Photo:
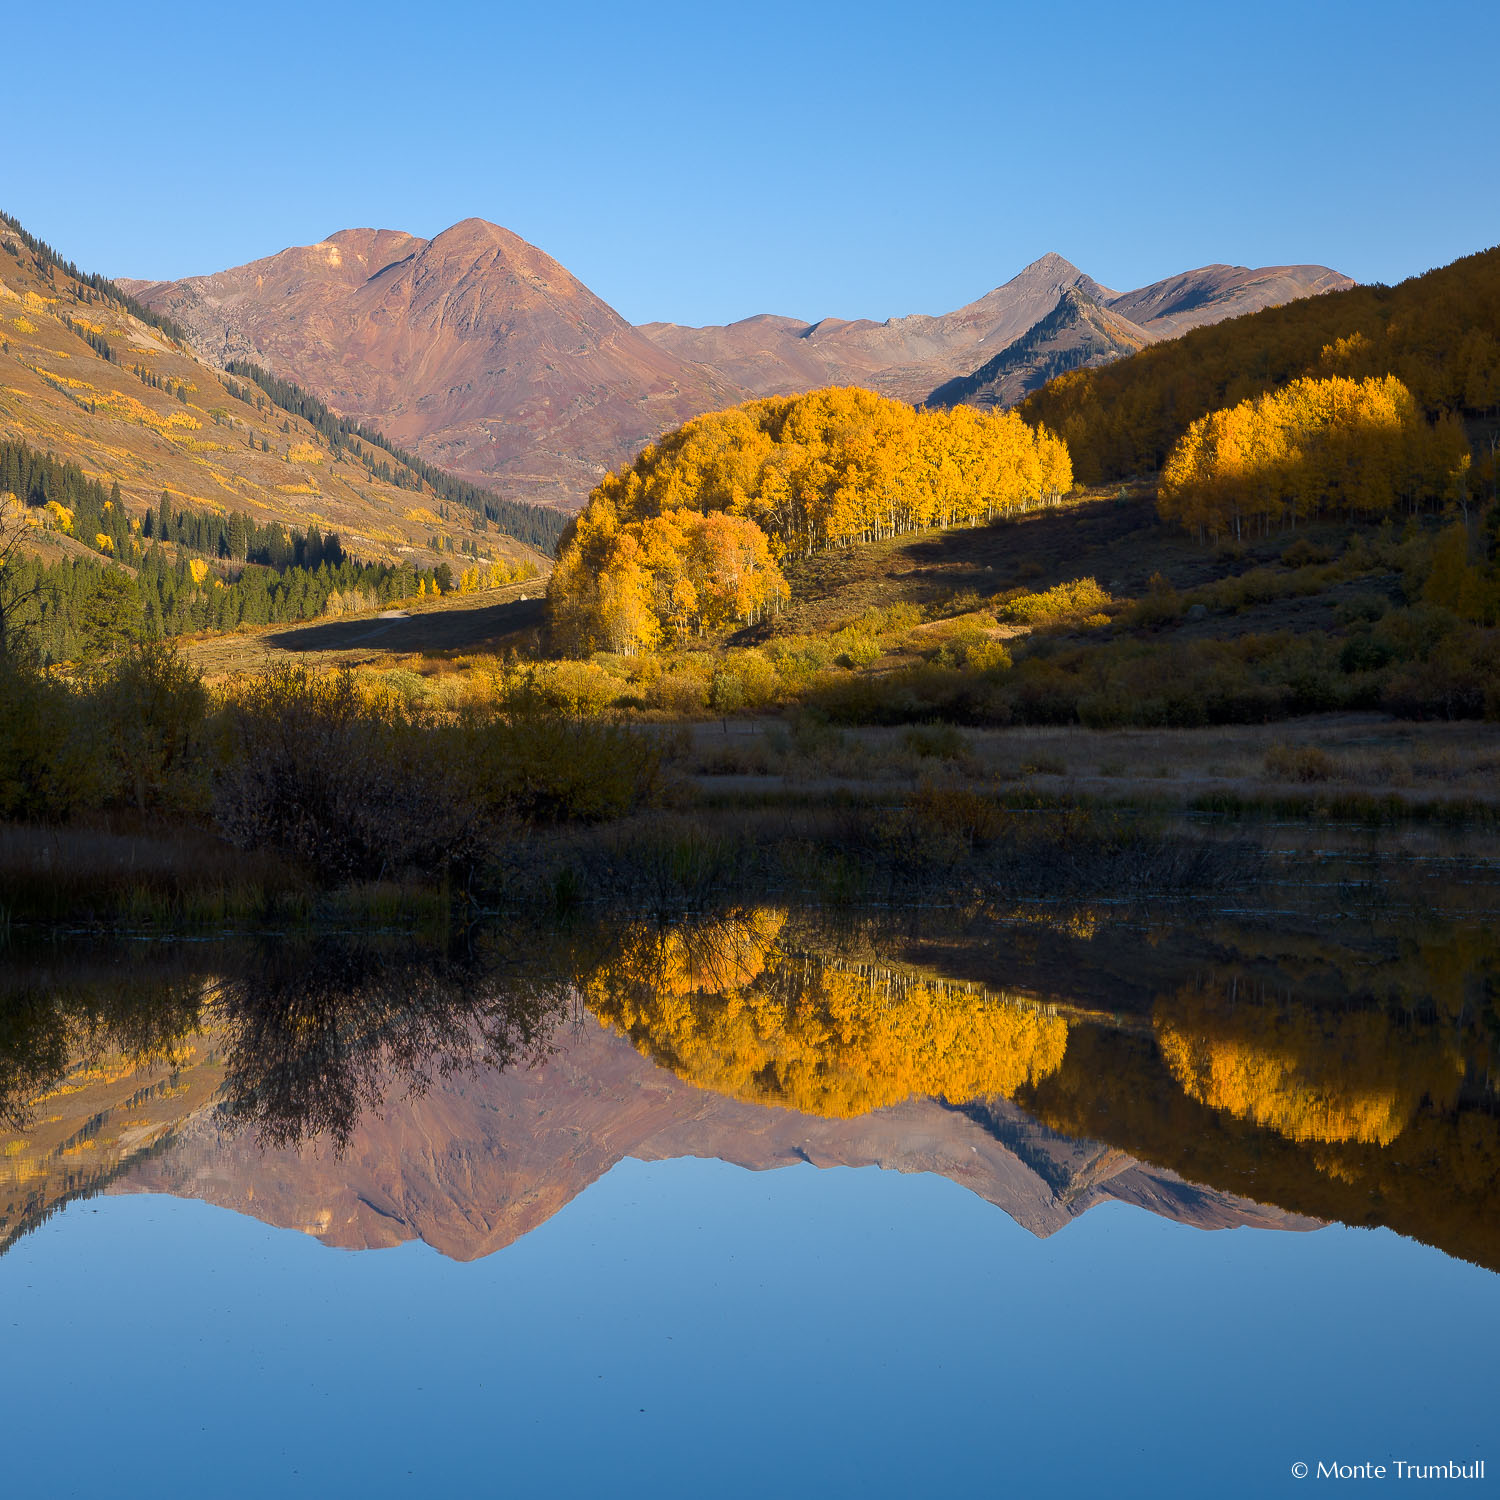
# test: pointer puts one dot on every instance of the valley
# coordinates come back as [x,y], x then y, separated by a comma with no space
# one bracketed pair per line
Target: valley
[748,752]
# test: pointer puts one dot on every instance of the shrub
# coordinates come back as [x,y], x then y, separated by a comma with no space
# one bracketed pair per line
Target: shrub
[854,649]
[1298,763]
[151,712]
[975,650]
[1361,608]
[1159,606]
[578,689]
[939,741]
[681,690]
[1363,653]
[762,685]
[348,786]
[551,769]
[1303,554]
[1080,602]
[726,692]
[959,813]
[1458,679]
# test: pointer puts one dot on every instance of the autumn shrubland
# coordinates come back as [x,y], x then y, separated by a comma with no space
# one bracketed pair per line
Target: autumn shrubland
[1325,547]
[320,778]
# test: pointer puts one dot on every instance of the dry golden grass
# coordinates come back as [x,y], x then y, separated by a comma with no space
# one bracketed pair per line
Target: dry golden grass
[1356,755]
[413,637]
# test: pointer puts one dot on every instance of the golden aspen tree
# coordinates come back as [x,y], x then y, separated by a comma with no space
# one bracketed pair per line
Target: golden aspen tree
[1316,446]
[779,477]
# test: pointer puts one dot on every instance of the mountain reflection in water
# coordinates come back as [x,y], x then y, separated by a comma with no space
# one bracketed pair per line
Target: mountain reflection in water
[370,1093]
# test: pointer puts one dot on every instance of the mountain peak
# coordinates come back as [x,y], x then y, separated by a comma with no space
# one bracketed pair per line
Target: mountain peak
[1055,271]
[1052,263]
[476,232]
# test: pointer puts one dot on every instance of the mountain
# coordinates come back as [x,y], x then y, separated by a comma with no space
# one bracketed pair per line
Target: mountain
[96,380]
[903,357]
[1213,293]
[475,349]
[477,1162]
[1079,331]
[489,359]
[1069,318]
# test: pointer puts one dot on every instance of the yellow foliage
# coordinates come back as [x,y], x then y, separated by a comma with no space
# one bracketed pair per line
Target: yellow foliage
[305,453]
[688,537]
[1306,1074]
[62,517]
[104,543]
[1456,583]
[198,570]
[1080,601]
[725,1009]
[1350,446]
[25,325]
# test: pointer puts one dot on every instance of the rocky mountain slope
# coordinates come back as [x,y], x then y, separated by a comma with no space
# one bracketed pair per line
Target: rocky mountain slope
[1050,317]
[903,357]
[486,357]
[1080,330]
[474,349]
[479,1161]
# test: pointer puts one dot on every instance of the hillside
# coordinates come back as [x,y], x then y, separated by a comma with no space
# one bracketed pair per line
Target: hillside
[488,358]
[1438,332]
[87,380]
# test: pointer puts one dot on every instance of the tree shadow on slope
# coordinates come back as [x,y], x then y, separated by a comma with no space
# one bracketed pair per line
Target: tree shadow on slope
[434,630]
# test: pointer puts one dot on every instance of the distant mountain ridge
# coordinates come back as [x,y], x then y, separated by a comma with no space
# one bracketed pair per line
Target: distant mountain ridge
[1080,330]
[902,357]
[488,358]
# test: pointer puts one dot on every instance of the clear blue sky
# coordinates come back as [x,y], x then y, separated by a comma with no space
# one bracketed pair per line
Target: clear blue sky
[699,163]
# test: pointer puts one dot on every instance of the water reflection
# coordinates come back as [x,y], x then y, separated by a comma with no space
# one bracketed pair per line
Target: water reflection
[320,1033]
[369,1091]
[727,1006]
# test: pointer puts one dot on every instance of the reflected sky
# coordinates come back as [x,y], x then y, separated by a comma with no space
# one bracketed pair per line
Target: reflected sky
[689,1328]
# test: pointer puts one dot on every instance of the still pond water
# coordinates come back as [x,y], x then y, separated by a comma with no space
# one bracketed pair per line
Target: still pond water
[752,1204]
